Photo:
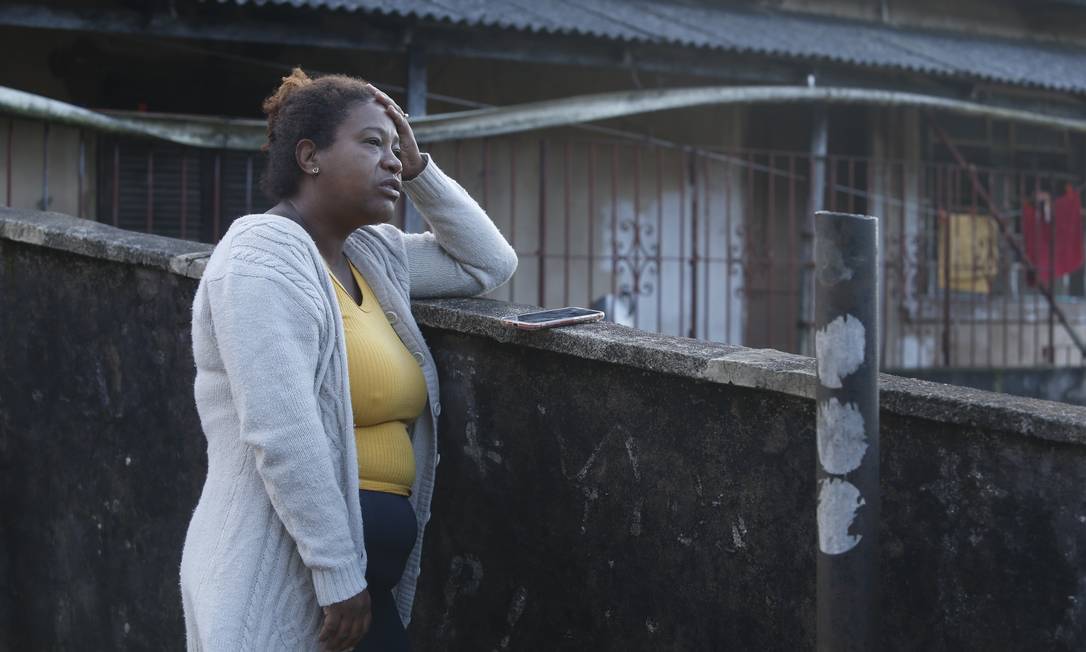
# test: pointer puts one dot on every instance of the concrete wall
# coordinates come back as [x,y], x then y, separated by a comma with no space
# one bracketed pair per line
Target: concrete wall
[600,488]
[1064,384]
[100,452]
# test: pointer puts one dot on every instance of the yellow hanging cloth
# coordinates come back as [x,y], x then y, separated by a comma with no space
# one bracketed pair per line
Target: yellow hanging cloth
[974,252]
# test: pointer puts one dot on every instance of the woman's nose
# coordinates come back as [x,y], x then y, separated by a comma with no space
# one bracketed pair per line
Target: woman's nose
[392,163]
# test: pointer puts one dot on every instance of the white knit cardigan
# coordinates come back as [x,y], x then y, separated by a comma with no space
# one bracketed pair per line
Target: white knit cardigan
[277,532]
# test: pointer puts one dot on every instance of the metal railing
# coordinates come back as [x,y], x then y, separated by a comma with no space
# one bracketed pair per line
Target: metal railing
[686,241]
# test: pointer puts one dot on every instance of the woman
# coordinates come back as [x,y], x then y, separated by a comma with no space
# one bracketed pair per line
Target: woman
[315,389]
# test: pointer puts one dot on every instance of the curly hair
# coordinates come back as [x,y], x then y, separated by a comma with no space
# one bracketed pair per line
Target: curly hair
[304,108]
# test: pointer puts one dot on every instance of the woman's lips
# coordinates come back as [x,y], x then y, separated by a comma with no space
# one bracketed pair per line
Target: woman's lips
[390,188]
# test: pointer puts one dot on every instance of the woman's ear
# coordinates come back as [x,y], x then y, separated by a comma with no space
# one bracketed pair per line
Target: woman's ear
[305,154]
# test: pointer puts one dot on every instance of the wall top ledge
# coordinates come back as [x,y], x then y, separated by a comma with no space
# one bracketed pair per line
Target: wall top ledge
[763,369]
[97,240]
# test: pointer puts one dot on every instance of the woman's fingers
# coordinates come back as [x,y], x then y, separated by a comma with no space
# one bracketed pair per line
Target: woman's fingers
[342,639]
[367,622]
[383,98]
[358,630]
[398,119]
[330,626]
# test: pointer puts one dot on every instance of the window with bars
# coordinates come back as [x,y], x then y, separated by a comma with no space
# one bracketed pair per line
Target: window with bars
[176,191]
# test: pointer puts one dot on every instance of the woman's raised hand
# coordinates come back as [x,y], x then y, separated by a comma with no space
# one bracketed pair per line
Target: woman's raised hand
[410,157]
[345,623]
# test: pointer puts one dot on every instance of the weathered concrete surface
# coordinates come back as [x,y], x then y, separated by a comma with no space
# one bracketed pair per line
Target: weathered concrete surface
[1063,384]
[101,453]
[65,233]
[587,505]
[600,488]
[783,373]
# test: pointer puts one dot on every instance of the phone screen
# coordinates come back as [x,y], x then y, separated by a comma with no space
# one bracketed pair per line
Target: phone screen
[550,315]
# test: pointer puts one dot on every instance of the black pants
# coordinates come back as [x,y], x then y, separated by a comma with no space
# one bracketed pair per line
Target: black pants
[390,532]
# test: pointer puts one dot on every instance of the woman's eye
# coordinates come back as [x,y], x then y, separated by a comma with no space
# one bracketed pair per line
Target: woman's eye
[373,141]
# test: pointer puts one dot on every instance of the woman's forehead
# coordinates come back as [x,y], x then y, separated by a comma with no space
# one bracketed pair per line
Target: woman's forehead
[370,115]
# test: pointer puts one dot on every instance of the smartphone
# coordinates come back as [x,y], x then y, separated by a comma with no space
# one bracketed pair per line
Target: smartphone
[533,321]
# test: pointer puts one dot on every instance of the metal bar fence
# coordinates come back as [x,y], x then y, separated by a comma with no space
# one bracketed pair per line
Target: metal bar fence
[685,241]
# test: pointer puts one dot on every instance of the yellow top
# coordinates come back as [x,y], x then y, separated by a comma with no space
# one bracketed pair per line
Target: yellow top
[388,392]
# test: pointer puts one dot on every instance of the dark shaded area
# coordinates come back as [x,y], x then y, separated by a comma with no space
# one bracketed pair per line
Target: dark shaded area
[586,506]
[101,453]
[581,504]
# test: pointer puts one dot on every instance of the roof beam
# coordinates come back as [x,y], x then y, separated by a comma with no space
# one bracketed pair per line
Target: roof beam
[116,21]
[251,134]
[355,33]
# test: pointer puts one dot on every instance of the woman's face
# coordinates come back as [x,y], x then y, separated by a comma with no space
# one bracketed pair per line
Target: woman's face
[360,172]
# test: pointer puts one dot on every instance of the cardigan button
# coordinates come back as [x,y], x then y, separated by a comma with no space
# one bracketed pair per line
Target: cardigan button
[418,357]
[437,408]
[391,316]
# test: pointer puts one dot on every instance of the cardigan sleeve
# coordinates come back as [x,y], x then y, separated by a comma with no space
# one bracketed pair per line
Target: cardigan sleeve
[464,254]
[267,328]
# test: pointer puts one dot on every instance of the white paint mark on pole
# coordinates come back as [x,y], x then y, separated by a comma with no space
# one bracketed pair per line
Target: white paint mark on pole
[838,501]
[840,349]
[841,440]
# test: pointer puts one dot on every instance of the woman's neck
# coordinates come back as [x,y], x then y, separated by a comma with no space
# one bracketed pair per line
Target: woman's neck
[328,239]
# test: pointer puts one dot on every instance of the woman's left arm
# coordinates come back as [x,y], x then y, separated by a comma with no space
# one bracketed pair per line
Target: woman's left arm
[463,254]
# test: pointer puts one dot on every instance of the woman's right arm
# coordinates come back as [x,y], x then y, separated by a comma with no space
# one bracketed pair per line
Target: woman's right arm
[267,326]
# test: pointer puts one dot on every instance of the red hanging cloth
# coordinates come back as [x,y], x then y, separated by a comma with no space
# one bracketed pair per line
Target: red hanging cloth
[1063,221]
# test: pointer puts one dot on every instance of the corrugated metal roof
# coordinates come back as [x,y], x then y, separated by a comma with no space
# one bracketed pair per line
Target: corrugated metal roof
[799,36]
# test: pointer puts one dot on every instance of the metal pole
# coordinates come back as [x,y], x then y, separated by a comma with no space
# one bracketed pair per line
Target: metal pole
[846,346]
[416,108]
[816,195]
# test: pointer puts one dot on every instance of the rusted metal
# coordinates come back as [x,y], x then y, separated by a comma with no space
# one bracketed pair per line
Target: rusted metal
[693,245]
[248,185]
[660,234]
[184,196]
[815,198]
[513,207]
[150,227]
[541,246]
[7,158]
[216,199]
[739,255]
[1005,231]
[635,247]
[729,257]
[589,218]
[45,167]
[682,182]
[614,224]
[116,183]
[567,251]
[236,134]
[81,174]
[792,321]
